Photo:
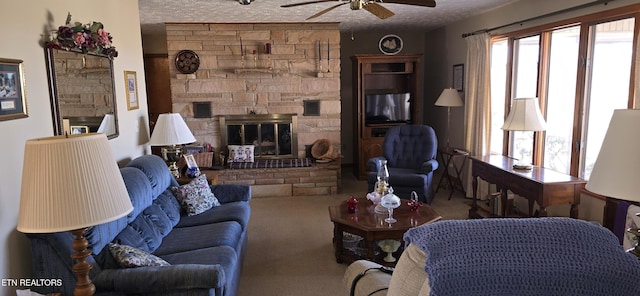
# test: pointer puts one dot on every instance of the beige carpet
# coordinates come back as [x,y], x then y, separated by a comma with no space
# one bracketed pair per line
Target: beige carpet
[289,250]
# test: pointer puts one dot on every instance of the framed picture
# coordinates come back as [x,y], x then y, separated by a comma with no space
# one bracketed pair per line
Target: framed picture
[79,129]
[390,44]
[13,102]
[191,161]
[458,77]
[192,149]
[131,84]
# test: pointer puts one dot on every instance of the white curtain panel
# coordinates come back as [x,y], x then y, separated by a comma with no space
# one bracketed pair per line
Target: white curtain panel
[477,119]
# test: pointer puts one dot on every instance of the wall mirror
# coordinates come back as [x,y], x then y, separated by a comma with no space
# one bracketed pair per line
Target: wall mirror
[82,93]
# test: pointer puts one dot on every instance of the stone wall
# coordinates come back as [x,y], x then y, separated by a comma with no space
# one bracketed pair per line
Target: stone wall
[276,83]
[294,78]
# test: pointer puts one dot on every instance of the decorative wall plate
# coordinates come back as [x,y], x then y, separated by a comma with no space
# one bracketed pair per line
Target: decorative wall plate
[187,62]
[390,44]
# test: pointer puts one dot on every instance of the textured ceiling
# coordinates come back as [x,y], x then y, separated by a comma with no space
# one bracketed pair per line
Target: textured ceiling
[153,13]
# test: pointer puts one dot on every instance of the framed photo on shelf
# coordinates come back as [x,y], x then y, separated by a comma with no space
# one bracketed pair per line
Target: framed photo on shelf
[79,129]
[458,77]
[13,102]
[131,84]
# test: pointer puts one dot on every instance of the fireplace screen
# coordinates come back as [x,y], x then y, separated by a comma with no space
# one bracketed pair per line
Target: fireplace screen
[272,135]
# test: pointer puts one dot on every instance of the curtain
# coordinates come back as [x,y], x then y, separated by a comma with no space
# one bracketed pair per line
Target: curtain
[477,119]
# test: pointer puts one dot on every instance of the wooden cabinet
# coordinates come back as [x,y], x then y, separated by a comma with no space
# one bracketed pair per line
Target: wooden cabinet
[386,93]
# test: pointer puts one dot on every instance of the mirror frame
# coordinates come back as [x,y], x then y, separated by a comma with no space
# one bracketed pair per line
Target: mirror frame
[53,90]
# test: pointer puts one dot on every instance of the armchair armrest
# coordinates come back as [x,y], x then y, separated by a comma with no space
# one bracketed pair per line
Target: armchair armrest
[372,163]
[231,192]
[161,279]
[429,166]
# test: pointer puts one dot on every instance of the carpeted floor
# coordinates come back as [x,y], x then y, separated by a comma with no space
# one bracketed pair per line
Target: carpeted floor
[289,250]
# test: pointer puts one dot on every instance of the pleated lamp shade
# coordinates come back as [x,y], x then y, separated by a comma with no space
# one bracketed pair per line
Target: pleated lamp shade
[70,182]
[170,129]
[525,115]
[615,173]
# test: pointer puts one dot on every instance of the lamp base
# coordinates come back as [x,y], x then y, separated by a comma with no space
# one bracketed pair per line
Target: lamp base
[171,154]
[84,286]
[522,166]
[636,250]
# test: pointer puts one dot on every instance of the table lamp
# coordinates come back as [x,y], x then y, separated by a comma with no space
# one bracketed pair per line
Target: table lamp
[449,98]
[70,183]
[615,173]
[525,116]
[171,131]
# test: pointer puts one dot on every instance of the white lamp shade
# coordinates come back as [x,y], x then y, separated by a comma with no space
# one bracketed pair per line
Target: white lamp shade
[615,173]
[525,115]
[449,98]
[70,183]
[170,129]
[108,125]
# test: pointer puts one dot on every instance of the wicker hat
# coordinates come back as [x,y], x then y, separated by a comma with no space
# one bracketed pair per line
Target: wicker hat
[322,149]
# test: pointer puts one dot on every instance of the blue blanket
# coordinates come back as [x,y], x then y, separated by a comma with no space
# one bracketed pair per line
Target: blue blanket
[533,256]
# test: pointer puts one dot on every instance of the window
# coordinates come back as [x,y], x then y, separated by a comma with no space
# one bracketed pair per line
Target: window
[579,71]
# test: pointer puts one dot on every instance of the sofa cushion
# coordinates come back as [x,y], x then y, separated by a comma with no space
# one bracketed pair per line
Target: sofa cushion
[147,230]
[233,211]
[224,256]
[202,236]
[156,171]
[128,257]
[196,197]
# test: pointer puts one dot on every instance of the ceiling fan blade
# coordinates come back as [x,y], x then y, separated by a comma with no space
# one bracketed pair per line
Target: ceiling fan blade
[326,10]
[378,10]
[307,2]
[427,3]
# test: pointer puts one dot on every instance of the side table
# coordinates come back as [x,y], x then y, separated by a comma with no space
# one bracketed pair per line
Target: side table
[454,182]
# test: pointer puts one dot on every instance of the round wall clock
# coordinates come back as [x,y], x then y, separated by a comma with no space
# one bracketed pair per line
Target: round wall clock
[390,44]
[187,62]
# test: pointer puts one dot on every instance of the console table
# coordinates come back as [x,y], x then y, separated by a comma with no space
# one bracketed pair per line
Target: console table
[543,186]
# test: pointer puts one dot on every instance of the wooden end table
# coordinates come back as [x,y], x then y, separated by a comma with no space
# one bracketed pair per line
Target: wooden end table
[369,225]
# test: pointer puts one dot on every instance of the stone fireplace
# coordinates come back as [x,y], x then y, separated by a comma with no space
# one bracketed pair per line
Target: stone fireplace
[259,93]
[274,136]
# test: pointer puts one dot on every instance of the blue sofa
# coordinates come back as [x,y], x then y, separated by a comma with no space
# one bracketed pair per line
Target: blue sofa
[205,251]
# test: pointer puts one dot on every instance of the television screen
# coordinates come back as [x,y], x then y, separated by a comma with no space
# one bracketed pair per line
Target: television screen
[382,108]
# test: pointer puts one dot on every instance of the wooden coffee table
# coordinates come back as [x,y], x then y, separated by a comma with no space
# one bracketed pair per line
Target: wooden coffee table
[371,226]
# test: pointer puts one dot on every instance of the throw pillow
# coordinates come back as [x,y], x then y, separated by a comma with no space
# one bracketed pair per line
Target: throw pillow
[196,197]
[241,153]
[128,256]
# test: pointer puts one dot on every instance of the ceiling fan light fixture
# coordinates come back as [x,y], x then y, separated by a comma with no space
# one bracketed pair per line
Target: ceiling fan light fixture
[245,2]
[355,5]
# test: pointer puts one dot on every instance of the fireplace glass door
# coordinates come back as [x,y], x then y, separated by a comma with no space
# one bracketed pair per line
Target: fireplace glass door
[271,138]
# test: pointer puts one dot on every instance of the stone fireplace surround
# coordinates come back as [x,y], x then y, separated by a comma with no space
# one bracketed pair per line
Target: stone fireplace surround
[236,89]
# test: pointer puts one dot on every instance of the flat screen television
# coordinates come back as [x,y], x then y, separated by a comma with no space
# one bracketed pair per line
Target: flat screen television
[387,108]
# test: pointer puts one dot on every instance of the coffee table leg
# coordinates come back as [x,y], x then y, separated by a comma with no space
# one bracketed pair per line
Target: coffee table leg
[371,248]
[337,242]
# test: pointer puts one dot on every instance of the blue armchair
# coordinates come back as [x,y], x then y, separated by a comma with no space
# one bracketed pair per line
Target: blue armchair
[410,151]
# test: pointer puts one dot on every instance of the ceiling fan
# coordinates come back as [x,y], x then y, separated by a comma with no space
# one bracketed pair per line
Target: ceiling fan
[371,6]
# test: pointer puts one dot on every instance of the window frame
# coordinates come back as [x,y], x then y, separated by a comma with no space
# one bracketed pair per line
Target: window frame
[580,117]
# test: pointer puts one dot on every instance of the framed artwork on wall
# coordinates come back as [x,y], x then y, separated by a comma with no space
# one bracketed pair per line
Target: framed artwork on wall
[13,102]
[458,77]
[131,84]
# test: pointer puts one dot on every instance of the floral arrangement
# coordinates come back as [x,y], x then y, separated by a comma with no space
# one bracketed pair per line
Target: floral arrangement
[90,37]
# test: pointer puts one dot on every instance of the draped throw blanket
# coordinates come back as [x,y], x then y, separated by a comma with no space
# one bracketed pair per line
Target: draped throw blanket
[530,256]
